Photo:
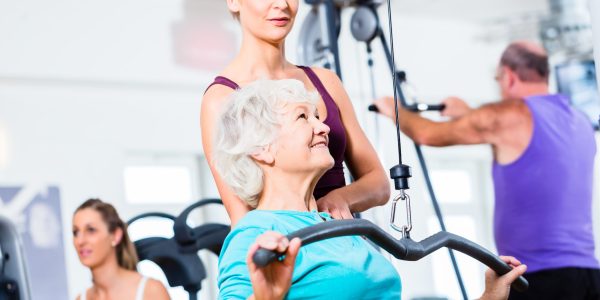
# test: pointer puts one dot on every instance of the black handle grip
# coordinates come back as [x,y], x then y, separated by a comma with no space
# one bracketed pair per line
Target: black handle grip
[373,108]
[262,257]
[437,107]
[415,107]
[419,107]
[404,249]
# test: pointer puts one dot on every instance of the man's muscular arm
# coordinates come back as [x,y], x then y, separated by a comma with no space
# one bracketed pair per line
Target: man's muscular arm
[483,125]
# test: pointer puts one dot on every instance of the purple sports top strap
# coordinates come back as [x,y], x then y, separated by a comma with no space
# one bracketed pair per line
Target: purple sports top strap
[223,81]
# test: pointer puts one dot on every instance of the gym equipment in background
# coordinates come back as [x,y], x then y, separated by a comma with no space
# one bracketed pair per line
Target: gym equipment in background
[178,256]
[417,107]
[317,44]
[567,36]
[577,79]
[366,27]
[14,282]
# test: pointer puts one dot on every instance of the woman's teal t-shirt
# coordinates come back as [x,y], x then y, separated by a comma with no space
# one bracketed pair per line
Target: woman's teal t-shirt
[339,268]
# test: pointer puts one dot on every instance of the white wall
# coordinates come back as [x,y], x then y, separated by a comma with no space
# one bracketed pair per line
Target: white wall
[86,86]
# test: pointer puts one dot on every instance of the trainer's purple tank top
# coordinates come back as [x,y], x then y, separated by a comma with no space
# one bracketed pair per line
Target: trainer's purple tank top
[333,178]
[543,207]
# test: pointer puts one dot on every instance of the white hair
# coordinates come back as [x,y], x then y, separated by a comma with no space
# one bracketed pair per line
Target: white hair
[251,120]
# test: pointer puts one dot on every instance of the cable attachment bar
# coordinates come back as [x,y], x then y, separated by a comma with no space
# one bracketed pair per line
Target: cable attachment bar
[405,228]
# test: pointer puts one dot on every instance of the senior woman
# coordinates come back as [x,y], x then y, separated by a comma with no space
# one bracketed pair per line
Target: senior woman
[271,149]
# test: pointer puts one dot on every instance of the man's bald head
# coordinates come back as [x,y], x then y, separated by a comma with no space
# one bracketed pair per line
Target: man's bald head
[528,60]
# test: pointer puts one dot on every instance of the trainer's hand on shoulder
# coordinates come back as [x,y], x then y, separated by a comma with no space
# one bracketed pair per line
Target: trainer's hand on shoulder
[455,107]
[498,287]
[335,205]
[274,280]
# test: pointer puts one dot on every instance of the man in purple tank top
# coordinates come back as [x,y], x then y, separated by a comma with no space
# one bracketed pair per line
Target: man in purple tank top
[543,172]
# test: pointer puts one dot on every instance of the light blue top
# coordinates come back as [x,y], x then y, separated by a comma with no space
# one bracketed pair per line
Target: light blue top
[339,268]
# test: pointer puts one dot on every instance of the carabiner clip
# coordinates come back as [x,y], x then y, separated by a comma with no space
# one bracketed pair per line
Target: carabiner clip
[406,228]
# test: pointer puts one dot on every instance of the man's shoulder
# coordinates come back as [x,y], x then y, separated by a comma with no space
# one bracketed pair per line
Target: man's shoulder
[508,106]
[507,113]
[501,122]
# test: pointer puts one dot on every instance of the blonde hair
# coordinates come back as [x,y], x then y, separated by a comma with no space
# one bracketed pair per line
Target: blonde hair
[126,255]
[250,121]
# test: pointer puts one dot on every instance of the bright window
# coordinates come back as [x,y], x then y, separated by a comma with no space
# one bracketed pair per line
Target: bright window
[452,186]
[444,278]
[158,184]
[150,227]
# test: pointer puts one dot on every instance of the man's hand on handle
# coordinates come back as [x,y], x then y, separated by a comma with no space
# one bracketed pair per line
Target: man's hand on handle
[455,107]
[385,106]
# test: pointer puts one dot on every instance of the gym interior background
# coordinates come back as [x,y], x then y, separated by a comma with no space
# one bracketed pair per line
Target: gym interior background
[102,99]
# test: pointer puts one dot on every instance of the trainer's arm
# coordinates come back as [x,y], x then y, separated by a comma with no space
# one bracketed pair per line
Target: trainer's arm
[212,102]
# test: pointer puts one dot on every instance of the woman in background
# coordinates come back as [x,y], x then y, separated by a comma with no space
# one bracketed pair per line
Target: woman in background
[103,245]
